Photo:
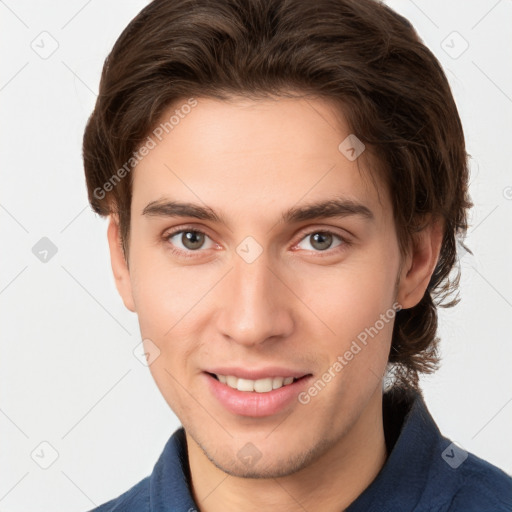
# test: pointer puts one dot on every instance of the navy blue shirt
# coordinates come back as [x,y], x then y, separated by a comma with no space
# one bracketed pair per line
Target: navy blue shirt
[424,472]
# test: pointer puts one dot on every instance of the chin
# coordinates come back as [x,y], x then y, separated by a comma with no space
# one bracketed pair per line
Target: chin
[249,462]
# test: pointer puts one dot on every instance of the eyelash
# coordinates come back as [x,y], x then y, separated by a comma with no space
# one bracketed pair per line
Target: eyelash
[190,254]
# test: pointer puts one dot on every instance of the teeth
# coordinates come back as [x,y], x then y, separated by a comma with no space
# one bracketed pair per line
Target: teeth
[277,382]
[263,385]
[231,381]
[245,385]
[260,385]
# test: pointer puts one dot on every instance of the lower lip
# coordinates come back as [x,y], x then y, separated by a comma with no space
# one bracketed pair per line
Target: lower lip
[251,403]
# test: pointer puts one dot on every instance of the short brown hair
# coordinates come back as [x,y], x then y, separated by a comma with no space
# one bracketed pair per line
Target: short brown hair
[358,53]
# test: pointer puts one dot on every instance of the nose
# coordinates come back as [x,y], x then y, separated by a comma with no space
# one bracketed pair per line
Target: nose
[254,305]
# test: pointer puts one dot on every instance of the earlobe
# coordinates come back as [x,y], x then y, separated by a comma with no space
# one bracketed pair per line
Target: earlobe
[420,264]
[119,264]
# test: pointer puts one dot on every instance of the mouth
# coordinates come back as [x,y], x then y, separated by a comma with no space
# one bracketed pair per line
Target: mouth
[257,398]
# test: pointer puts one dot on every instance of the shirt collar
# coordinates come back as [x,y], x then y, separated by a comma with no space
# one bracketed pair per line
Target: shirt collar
[411,437]
[169,487]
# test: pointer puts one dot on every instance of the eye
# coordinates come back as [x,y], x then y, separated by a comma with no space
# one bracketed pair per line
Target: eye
[188,240]
[322,240]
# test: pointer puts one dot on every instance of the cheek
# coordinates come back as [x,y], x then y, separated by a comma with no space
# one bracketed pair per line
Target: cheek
[354,303]
[350,297]
[165,299]
[170,311]
[162,293]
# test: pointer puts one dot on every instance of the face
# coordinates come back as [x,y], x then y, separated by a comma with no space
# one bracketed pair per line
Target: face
[248,281]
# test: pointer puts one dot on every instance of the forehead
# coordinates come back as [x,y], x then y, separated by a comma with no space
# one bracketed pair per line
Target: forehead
[233,154]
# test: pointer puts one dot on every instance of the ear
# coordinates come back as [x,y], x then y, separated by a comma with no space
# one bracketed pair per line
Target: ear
[420,263]
[119,264]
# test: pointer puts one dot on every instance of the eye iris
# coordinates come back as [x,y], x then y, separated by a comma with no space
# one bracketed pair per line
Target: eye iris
[192,239]
[324,240]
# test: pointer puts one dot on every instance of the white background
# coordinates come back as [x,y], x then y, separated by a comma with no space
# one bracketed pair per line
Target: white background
[68,373]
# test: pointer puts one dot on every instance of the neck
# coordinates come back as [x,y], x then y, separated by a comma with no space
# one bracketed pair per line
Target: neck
[329,484]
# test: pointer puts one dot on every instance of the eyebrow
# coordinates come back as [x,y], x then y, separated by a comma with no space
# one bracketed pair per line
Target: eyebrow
[332,208]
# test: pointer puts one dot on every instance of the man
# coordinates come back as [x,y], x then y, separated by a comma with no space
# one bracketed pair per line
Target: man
[285,183]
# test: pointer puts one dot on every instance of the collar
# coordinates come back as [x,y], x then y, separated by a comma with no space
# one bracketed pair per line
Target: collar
[411,438]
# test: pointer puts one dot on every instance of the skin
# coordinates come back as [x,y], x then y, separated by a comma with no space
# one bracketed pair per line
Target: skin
[295,306]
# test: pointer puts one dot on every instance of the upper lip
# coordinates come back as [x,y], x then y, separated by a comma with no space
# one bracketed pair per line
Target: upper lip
[258,373]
